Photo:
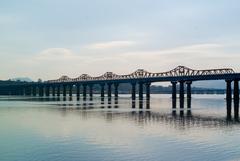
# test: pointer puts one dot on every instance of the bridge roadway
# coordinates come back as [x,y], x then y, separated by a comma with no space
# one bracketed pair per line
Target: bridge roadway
[182,75]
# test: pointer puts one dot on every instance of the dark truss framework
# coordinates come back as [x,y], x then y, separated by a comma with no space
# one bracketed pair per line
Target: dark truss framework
[141,73]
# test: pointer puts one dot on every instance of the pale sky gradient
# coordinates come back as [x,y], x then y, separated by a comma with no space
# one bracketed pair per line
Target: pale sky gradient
[49,38]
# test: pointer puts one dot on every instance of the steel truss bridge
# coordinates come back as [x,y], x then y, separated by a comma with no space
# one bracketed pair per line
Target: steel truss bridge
[181,74]
[180,71]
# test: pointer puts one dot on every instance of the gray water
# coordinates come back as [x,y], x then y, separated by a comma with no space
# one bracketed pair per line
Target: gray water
[33,129]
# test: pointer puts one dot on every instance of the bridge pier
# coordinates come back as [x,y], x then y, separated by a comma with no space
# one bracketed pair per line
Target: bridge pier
[148,95]
[140,90]
[181,94]
[70,90]
[21,91]
[47,90]
[116,85]
[133,91]
[84,91]
[28,90]
[189,94]
[34,90]
[64,91]
[229,98]
[236,99]
[133,95]
[53,91]
[41,90]
[91,91]
[58,90]
[102,92]
[148,90]
[174,94]
[109,91]
[78,91]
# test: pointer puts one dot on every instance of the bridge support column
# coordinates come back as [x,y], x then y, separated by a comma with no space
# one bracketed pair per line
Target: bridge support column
[64,91]
[70,90]
[148,95]
[174,94]
[78,91]
[24,91]
[148,91]
[34,90]
[133,95]
[116,85]
[53,90]
[21,91]
[109,90]
[140,90]
[102,93]
[91,91]
[189,94]
[229,98]
[27,90]
[109,94]
[58,90]
[134,91]
[47,90]
[41,92]
[181,94]
[236,99]
[84,91]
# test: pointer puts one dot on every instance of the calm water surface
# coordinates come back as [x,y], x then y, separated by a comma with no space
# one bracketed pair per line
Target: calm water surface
[33,129]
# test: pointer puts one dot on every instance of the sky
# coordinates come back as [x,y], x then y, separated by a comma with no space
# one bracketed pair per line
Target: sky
[50,38]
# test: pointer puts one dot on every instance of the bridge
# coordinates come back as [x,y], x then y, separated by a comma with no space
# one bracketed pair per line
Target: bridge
[141,78]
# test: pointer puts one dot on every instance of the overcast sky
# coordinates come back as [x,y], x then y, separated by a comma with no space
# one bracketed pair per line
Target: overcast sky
[49,38]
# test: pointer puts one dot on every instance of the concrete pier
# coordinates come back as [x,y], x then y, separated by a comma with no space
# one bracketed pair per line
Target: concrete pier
[64,91]
[58,90]
[229,98]
[91,91]
[116,85]
[78,91]
[53,90]
[70,90]
[189,94]
[34,90]
[84,91]
[181,94]
[109,85]
[140,90]
[148,90]
[174,94]
[236,99]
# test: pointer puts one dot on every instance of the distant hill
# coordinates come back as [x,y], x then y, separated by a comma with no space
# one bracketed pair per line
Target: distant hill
[22,79]
[220,84]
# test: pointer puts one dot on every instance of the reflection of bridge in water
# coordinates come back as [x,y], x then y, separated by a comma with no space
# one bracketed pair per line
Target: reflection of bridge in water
[182,75]
[148,117]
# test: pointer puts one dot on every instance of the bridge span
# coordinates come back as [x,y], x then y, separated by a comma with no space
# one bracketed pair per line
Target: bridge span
[140,81]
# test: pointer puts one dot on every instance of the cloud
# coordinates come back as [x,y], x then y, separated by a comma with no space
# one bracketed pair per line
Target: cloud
[62,61]
[111,44]
[189,50]
[55,53]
